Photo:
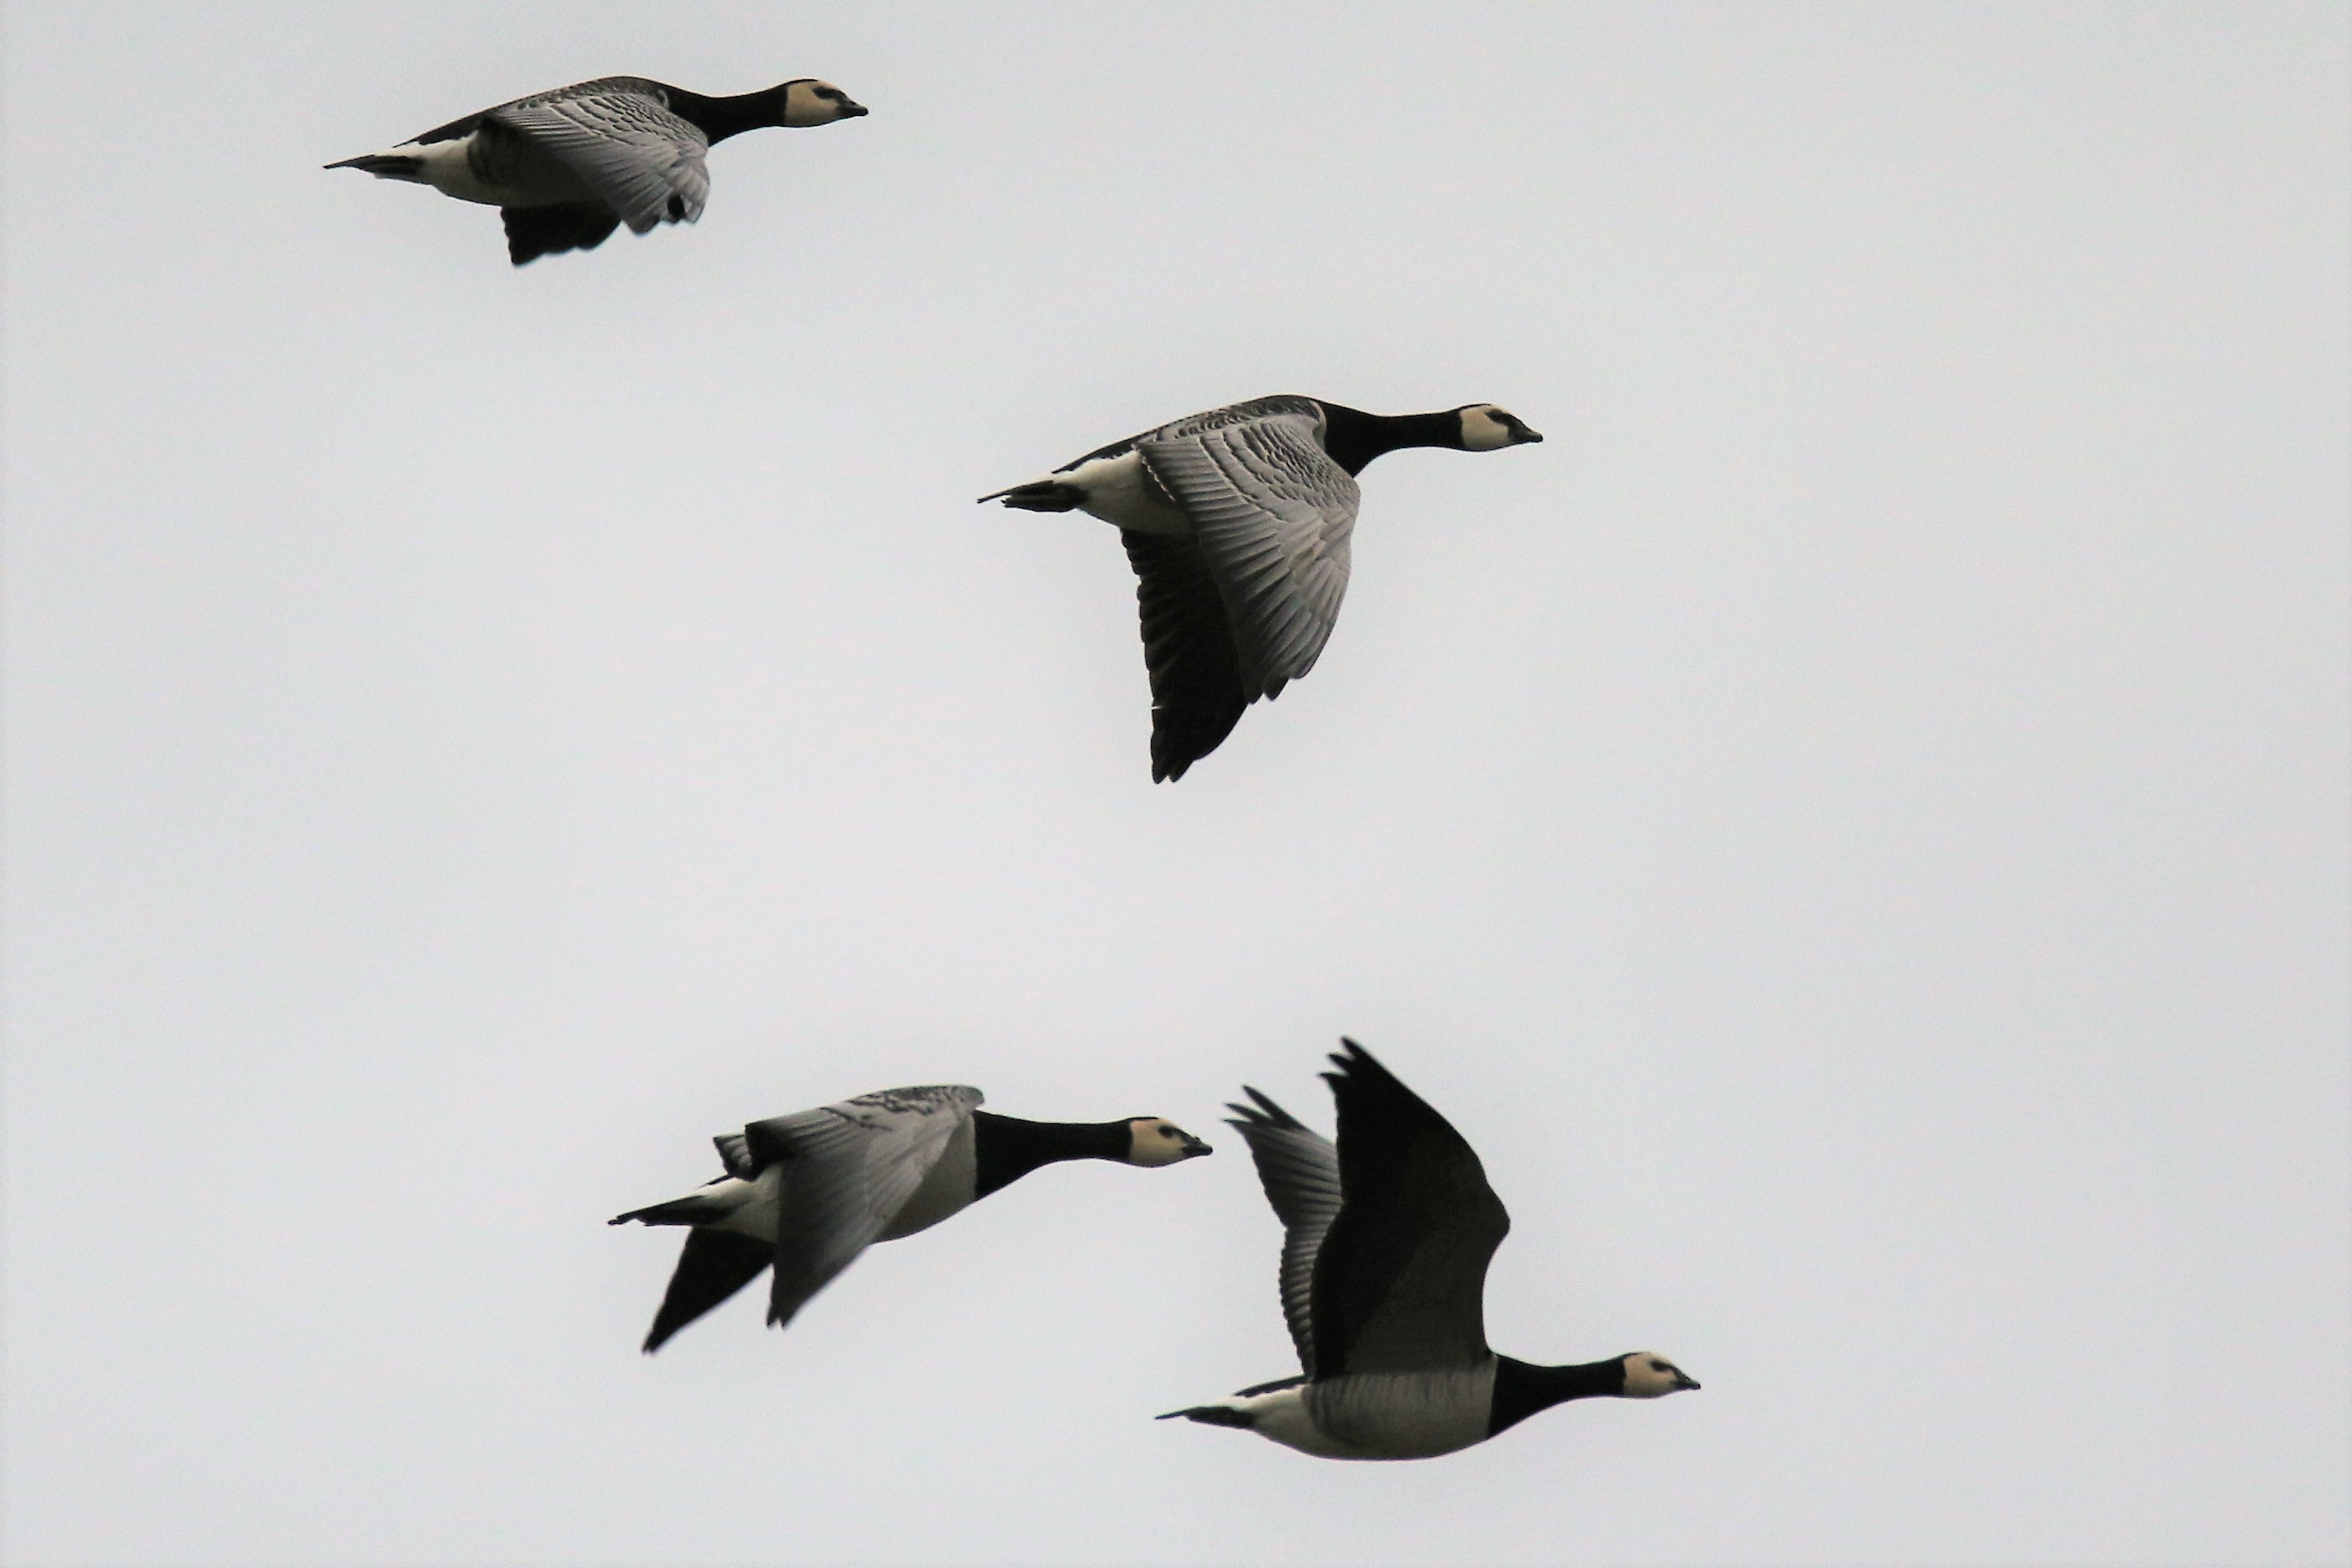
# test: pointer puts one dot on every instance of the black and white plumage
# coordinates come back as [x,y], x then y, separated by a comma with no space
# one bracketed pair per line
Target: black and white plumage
[1386,1239]
[565,167]
[1237,523]
[806,1193]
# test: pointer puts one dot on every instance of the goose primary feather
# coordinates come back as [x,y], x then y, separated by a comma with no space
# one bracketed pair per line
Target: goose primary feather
[806,1193]
[1386,1240]
[1237,522]
[566,167]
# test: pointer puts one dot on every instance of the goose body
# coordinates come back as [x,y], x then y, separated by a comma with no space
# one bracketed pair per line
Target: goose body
[567,167]
[805,1194]
[1386,1239]
[1237,522]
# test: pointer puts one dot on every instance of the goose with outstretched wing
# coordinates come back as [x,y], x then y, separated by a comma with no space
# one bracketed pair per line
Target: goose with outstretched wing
[1237,523]
[567,167]
[805,1194]
[1386,1239]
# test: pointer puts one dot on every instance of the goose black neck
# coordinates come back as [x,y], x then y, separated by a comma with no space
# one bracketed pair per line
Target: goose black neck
[1006,1148]
[721,118]
[1354,438]
[1521,1389]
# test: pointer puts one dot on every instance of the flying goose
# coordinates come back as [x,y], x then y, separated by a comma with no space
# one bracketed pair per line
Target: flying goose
[808,1192]
[1385,1244]
[1236,522]
[565,167]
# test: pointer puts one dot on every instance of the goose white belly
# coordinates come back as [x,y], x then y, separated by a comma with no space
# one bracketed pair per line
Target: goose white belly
[1388,1415]
[757,1204]
[1281,1417]
[448,168]
[1121,492]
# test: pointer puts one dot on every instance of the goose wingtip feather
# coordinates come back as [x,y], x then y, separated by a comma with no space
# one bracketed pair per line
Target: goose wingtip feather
[1262,1112]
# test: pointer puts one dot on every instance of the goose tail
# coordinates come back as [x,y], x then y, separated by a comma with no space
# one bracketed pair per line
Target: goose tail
[385,165]
[692,1209]
[1213,1415]
[1040,496]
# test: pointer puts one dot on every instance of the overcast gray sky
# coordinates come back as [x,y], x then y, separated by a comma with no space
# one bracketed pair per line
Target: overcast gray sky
[1852,828]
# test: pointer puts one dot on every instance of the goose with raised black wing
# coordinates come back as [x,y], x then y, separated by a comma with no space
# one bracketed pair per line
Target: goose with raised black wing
[565,167]
[1386,1240]
[805,1194]
[1236,522]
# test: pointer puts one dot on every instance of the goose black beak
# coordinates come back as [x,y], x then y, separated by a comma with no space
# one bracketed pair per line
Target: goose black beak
[1195,1147]
[852,111]
[1527,435]
[1684,1379]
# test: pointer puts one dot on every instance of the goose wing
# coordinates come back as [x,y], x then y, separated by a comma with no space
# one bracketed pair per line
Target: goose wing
[1272,515]
[1188,647]
[735,1153]
[1401,1279]
[851,1167]
[619,137]
[1299,1169]
[712,1266]
[1242,413]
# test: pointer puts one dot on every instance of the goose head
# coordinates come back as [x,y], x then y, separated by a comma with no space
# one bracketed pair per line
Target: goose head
[1151,1140]
[1649,1375]
[809,101]
[1486,428]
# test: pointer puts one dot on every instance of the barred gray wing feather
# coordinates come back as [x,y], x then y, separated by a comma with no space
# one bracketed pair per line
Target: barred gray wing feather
[1273,515]
[850,1168]
[624,144]
[602,87]
[1247,412]
[1212,418]
[596,87]
[735,1153]
[1299,1169]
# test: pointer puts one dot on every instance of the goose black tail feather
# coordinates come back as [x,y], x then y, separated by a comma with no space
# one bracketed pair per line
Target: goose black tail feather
[383,165]
[1040,496]
[1213,1415]
[534,232]
[692,1209]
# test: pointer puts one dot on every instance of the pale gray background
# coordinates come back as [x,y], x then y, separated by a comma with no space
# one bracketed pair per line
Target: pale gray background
[1852,828]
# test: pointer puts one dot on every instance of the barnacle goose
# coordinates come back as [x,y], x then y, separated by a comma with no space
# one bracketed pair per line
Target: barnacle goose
[565,167]
[808,1192]
[1385,1244]
[1236,522]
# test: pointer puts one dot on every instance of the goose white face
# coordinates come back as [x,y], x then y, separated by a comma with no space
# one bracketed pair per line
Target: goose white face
[1485,428]
[814,102]
[1652,1377]
[1152,1142]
